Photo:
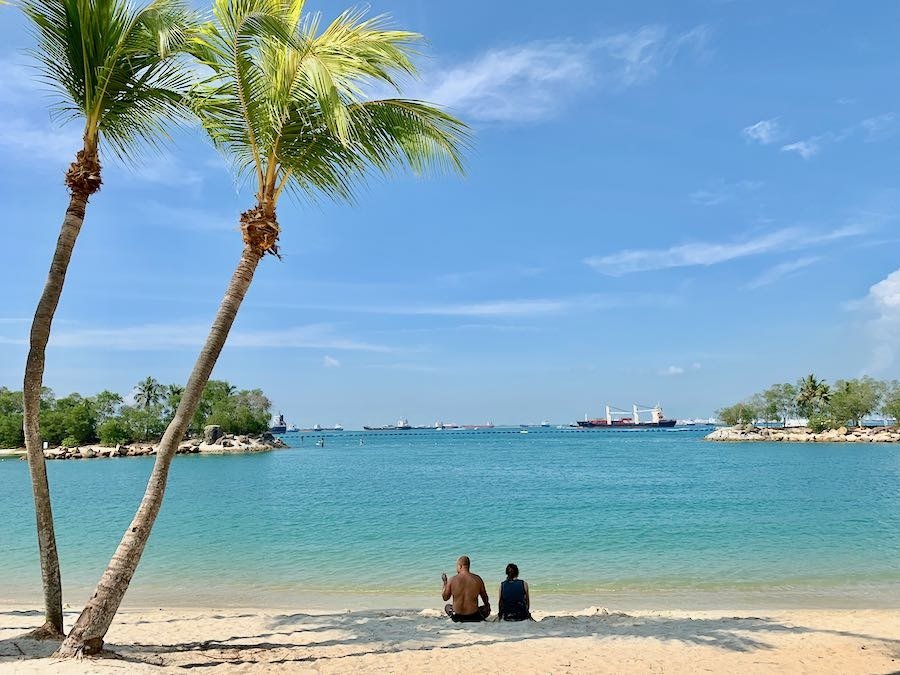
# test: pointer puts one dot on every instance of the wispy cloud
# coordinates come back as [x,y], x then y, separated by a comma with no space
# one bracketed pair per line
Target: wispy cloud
[179,336]
[871,130]
[533,81]
[330,362]
[516,308]
[36,143]
[711,253]
[765,132]
[672,371]
[883,305]
[720,192]
[780,271]
[805,149]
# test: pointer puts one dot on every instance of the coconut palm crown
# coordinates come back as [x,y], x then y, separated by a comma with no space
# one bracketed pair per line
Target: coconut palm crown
[286,104]
[112,65]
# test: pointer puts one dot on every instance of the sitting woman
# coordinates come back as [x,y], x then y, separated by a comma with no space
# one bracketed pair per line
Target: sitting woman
[515,602]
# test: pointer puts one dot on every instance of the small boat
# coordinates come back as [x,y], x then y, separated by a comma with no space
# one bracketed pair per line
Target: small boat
[293,428]
[545,424]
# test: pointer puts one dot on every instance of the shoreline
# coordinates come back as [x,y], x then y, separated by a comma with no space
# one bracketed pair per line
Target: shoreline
[805,435]
[594,639]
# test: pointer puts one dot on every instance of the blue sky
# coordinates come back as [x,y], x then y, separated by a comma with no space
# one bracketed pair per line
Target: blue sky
[667,202]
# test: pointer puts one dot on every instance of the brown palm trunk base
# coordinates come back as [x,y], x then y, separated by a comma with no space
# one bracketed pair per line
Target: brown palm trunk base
[86,637]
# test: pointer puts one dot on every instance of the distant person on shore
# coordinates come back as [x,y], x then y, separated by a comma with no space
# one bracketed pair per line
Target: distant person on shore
[515,600]
[465,588]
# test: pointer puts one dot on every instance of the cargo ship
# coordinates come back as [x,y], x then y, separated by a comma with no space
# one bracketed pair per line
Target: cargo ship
[619,419]
[278,426]
[402,425]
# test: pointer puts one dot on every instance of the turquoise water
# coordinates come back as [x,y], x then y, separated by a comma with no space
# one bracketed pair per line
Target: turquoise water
[652,517]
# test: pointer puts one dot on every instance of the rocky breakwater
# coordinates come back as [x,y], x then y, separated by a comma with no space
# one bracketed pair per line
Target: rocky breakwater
[806,435]
[214,442]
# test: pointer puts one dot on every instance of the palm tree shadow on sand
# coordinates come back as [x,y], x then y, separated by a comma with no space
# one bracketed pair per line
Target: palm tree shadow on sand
[306,638]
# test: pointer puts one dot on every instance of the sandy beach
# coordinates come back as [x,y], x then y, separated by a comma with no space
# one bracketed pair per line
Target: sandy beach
[422,641]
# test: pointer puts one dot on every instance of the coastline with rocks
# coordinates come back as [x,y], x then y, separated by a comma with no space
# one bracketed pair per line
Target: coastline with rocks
[213,442]
[806,435]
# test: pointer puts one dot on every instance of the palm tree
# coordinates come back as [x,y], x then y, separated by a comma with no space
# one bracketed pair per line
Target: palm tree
[812,394]
[148,393]
[285,103]
[112,65]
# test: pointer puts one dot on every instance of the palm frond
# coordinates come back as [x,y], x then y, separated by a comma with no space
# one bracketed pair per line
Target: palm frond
[115,65]
[291,109]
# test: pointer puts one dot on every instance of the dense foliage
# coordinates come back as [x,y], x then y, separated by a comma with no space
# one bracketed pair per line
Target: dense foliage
[75,420]
[824,406]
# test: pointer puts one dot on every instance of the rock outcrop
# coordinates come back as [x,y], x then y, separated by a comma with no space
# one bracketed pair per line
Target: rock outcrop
[806,435]
[221,444]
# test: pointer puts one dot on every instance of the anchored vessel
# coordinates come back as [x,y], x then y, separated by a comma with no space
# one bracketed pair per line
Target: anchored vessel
[279,426]
[402,425]
[619,419]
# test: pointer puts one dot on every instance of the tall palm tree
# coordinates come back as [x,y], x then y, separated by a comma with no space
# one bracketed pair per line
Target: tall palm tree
[812,394]
[148,393]
[286,104]
[112,65]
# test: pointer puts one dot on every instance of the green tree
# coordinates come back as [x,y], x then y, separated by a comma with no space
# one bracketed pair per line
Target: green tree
[851,400]
[812,395]
[11,433]
[148,393]
[113,431]
[107,404]
[109,62]
[284,104]
[890,403]
[780,402]
[740,413]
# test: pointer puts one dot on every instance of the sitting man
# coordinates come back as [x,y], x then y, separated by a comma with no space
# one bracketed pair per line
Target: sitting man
[465,588]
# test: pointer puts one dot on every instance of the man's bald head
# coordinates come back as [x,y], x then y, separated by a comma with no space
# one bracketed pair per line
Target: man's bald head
[463,563]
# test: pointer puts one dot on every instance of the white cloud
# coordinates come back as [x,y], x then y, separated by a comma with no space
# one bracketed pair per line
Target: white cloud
[780,271]
[673,370]
[533,81]
[696,366]
[179,336]
[710,253]
[330,362]
[883,304]
[764,131]
[805,149]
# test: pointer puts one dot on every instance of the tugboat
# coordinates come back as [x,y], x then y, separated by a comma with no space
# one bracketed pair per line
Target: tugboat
[657,419]
[279,426]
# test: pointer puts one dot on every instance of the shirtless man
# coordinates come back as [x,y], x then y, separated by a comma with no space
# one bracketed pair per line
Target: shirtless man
[465,588]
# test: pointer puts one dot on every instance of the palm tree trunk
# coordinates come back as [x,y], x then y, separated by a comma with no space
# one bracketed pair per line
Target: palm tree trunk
[87,635]
[31,395]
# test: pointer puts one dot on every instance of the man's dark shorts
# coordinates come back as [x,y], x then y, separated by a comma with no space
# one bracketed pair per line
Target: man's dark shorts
[480,615]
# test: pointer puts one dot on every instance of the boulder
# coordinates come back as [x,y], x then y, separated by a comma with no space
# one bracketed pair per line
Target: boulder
[226,443]
[211,433]
[87,453]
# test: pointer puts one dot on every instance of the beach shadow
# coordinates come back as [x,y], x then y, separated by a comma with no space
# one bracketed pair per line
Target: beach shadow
[306,638]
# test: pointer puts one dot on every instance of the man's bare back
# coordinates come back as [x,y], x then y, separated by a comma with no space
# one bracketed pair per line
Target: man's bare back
[465,588]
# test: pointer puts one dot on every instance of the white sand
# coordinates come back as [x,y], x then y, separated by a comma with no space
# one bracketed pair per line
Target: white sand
[387,641]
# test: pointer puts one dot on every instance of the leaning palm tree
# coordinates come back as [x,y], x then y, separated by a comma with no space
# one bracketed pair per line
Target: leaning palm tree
[112,65]
[286,103]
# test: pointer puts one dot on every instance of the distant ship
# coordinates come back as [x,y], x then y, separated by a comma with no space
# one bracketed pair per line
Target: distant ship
[656,420]
[402,425]
[279,426]
[318,428]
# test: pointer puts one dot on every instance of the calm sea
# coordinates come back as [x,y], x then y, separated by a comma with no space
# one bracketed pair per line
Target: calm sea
[641,518]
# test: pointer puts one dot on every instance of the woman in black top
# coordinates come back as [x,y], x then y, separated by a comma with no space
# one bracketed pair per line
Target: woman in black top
[515,601]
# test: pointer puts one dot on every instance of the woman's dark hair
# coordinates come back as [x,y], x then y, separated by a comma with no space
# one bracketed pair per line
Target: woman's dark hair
[512,571]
